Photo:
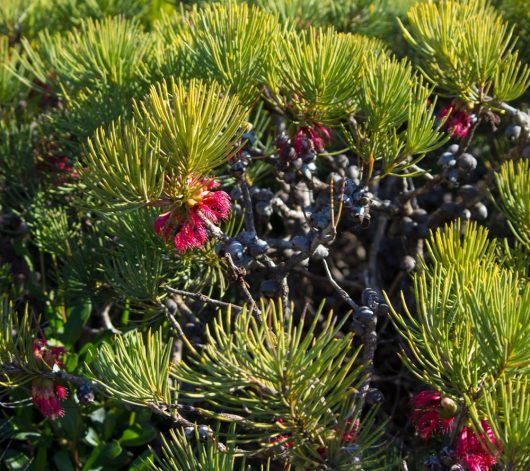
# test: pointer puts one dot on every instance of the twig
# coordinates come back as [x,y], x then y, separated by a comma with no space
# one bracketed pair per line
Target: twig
[347,299]
[16,404]
[211,415]
[186,310]
[374,251]
[214,230]
[175,417]
[238,274]
[107,322]
[247,203]
[203,298]
[287,212]
[318,278]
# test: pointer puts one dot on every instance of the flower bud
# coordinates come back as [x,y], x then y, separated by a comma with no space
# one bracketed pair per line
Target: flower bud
[448,408]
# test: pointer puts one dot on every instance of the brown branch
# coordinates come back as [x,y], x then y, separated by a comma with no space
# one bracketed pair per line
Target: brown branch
[203,298]
[347,299]
[238,274]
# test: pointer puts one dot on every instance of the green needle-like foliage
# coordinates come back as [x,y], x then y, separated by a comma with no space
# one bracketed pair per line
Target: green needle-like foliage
[135,370]
[315,73]
[232,44]
[518,13]
[395,124]
[17,160]
[448,248]
[275,370]
[198,126]
[81,274]
[18,364]
[96,69]
[29,17]
[359,16]
[18,16]
[179,132]
[14,349]
[513,185]
[507,407]
[125,170]
[469,338]
[178,453]
[467,50]
[173,33]
[10,86]
[138,262]
[303,12]
[97,54]
[74,11]
[51,228]
[499,309]
[472,315]
[300,12]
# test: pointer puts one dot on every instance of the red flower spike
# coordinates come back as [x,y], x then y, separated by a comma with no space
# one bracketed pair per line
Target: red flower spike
[458,122]
[186,222]
[471,451]
[162,225]
[192,233]
[428,416]
[61,392]
[47,355]
[350,436]
[309,137]
[61,164]
[38,348]
[282,439]
[46,396]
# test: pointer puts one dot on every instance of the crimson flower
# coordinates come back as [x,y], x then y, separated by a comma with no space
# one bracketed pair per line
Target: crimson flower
[432,412]
[62,164]
[350,434]
[50,356]
[186,223]
[470,449]
[45,393]
[458,121]
[309,137]
[47,396]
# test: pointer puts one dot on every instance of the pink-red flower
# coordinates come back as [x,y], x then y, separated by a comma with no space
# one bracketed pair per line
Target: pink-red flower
[432,413]
[350,433]
[47,396]
[60,167]
[311,138]
[185,223]
[49,355]
[471,450]
[45,393]
[458,121]
[282,439]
